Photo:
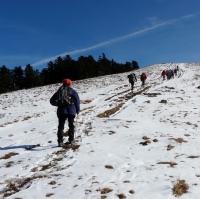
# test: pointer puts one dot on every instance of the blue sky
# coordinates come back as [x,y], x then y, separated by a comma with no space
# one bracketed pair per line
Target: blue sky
[147,31]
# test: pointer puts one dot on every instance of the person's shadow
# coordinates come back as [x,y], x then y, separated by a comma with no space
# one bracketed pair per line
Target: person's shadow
[26,147]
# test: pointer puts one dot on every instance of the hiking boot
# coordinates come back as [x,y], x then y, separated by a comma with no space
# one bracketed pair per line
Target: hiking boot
[60,144]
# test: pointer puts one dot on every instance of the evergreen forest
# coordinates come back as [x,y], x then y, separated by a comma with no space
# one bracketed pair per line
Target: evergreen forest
[56,71]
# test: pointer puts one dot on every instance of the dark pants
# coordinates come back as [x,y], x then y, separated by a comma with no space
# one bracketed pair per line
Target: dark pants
[61,124]
[132,84]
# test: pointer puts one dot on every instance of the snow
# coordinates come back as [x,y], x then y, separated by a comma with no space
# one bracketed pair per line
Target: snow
[114,160]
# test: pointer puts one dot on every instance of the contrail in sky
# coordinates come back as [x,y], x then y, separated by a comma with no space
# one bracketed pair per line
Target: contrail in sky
[114,40]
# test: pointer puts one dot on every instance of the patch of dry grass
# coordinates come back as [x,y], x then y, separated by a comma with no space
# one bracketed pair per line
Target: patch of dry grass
[104,190]
[107,113]
[121,196]
[171,164]
[128,96]
[14,185]
[193,156]
[132,191]
[180,188]
[109,167]
[179,140]
[9,155]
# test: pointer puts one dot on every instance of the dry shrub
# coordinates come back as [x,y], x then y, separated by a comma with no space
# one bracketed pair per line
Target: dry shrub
[9,155]
[152,94]
[9,164]
[145,142]
[53,182]
[172,164]
[126,181]
[109,167]
[163,101]
[105,190]
[26,118]
[179,140]
[49,194]
[193,156]
[145,138]
[132,191]
[169,147]
[45,167]
[180,188]
[112,132]
[187,135]
[121,196]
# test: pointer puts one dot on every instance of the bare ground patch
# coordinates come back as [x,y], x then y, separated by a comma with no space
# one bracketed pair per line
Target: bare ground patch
[9,155]
[171,164]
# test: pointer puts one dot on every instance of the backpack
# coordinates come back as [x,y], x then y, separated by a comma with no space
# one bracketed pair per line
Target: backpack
[129,76]
[64,96]
[132,77]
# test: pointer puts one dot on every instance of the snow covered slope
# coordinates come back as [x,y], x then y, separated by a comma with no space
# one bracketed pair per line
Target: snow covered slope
[129,145]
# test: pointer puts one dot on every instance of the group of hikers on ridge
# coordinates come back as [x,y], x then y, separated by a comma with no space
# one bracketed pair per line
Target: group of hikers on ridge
[132,79]
[169,73]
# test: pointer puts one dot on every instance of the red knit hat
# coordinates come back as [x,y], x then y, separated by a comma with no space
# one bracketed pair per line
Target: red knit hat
[67,82]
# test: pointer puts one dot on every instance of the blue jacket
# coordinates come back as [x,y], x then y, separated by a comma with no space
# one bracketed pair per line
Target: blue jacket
[71,109]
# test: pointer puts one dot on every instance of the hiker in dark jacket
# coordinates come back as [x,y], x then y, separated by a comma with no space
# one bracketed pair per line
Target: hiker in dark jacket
[66,111]
[132,79]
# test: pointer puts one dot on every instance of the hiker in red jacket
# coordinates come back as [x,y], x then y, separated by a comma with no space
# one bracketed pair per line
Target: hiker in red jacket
[163,74]
[143,78]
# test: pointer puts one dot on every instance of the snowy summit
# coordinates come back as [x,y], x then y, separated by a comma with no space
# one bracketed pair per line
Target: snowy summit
[143,144]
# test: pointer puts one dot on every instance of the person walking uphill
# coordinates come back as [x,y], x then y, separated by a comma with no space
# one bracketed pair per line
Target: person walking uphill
[143,78]
[68,102]
[132,79]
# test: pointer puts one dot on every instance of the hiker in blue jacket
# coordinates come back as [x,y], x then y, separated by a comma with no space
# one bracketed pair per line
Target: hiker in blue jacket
[66,112]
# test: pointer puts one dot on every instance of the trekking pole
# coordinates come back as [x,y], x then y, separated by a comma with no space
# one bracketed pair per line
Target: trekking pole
[75,134]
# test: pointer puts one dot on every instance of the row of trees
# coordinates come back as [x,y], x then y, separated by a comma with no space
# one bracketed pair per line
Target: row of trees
[62,67]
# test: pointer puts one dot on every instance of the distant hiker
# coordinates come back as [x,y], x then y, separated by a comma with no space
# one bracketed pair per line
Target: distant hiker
[172,73]
[175,72]
[68,103]
[143,78]
[163,74]
[169,74]
[132,79]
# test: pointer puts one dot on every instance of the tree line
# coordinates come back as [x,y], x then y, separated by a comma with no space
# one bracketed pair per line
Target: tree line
[62,67]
